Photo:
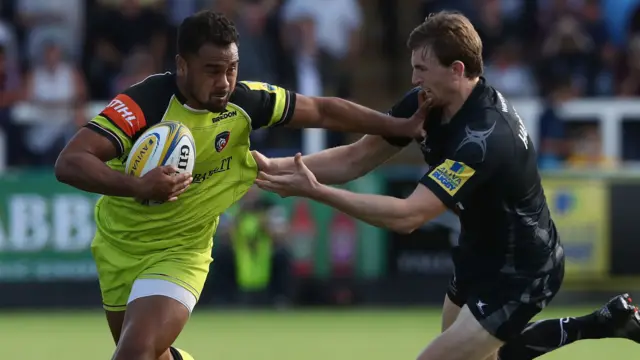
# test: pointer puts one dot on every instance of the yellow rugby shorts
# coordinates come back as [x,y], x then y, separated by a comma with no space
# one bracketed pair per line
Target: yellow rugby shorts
[118,269]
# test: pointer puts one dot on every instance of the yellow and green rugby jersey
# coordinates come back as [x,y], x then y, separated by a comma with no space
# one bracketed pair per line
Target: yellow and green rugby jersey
[224,168]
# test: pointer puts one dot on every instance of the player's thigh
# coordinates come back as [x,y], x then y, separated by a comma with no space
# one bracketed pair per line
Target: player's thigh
[450,312]
[465,339]
[152,323]
[117,271]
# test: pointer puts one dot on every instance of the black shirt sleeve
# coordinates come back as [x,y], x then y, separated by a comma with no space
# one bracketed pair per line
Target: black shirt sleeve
[267,105]
[472,161]
[404,108]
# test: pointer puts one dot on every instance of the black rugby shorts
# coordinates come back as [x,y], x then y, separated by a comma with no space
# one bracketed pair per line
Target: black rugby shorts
[504,305]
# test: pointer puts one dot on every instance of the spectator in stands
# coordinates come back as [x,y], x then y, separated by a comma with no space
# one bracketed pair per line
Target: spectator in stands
[603,53]
[628,78]
[56,89]
[10,94]
[586,149]
[509,73]
[553,145]
[327,37]
[42,19]
[252,262]
[567,50]
[136,67]
[331,31]
[257,51]
[492,26]
[117,32]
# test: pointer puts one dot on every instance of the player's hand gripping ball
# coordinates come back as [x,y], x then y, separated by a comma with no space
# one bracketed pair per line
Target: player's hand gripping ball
[170,149]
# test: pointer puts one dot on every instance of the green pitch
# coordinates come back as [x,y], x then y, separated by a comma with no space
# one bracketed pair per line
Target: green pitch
[233,335]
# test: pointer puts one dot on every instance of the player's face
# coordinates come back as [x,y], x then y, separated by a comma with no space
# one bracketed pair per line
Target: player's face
[211,76]
[438,81]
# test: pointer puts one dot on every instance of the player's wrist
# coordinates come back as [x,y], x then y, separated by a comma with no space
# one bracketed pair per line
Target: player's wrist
[136,187]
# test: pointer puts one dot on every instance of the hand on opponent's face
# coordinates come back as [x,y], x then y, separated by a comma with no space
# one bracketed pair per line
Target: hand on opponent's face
[416,121]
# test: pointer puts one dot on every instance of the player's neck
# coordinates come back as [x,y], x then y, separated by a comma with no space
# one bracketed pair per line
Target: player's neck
[186,100]
[458,99]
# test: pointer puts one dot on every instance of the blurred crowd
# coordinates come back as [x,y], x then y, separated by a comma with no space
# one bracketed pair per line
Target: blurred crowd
[59,55]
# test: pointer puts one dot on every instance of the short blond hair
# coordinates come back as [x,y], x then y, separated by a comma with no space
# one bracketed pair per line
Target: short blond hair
[451,37]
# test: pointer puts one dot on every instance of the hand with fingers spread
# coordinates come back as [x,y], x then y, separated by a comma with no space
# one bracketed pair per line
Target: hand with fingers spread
[163,183]
[301,182]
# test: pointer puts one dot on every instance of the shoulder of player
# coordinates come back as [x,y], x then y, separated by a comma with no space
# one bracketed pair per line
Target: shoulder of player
[487,135]
[141,105]
[242,94]
[150,98]
[154,91]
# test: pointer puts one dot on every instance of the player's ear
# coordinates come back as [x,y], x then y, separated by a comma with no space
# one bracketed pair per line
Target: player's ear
[181,65]
[457,68]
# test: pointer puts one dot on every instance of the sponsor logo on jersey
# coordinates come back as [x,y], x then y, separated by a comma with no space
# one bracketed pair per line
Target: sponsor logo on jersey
[225,165]
[125,114]
[451,175]
[224,115]
[222,140]
[478,138]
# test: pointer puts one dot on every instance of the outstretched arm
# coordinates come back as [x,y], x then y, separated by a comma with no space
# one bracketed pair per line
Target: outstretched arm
[337,165]
[342,115]
[400,215]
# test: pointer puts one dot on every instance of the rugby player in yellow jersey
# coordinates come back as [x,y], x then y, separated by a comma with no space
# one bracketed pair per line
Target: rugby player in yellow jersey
[152,262]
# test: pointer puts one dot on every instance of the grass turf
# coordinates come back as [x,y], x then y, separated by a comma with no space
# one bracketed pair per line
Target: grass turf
[241,335]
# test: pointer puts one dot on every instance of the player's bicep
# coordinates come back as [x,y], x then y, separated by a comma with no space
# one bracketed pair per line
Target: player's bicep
[89,141]
[112,132]
[125,114]
[307,113]
[465,172]
[422,206]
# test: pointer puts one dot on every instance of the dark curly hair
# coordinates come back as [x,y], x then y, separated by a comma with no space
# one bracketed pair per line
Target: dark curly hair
[205,27]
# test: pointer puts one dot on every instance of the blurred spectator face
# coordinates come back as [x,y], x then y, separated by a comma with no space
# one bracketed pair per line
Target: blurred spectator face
[130,7]
[139,63]
[3,61]
[634,54]
[52,55]
[210,75]
[591,10]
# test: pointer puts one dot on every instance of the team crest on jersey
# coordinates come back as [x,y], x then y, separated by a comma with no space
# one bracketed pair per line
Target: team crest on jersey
[222,140]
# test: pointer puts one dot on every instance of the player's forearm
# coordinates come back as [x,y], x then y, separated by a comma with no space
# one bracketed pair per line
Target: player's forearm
[332,166]
[86,172]
[345,116]
[378,210]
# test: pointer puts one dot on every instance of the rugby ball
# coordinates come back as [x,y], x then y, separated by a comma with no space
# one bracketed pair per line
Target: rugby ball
[167,143]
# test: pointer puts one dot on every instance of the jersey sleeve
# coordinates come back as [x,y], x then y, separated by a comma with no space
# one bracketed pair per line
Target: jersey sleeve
[267,105]
[120,122]
[404,108]
[467,166]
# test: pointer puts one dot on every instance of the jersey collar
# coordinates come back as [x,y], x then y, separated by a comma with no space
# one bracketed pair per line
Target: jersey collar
[472,101]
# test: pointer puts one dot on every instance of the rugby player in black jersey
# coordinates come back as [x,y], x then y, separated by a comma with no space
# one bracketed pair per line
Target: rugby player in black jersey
[509,262]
